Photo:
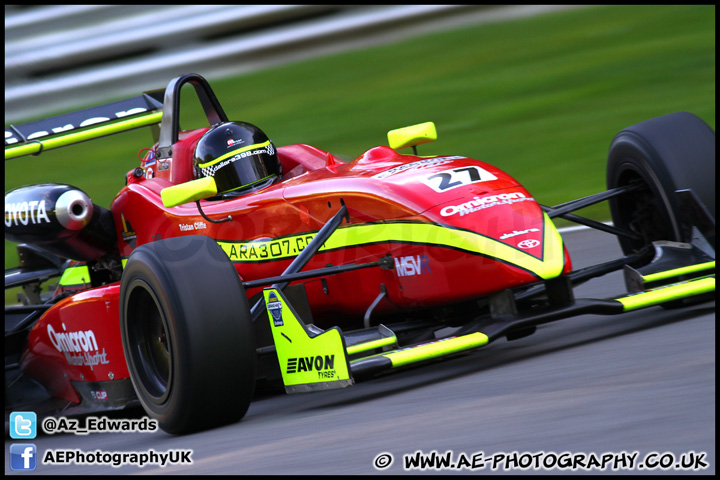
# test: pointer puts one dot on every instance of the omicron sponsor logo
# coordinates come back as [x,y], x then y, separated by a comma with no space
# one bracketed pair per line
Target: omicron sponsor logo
[79,347]
[481,203]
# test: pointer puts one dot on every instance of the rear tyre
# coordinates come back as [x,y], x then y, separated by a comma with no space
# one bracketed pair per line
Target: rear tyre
[662,155]
[187,334]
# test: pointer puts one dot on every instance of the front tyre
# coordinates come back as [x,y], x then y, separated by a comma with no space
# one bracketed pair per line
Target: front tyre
[661,155]
[187,334]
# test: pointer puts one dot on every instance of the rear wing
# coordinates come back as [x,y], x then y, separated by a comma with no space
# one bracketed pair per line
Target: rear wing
[33,138]
[150,108]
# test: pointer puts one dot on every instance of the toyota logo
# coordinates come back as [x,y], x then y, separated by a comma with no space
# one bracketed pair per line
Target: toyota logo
[531,243]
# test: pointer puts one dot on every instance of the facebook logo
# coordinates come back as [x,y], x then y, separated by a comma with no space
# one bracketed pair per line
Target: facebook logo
[23,456]
[23,425]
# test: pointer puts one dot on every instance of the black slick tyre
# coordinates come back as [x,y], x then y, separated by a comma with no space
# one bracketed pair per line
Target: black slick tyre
[187,334]
[661,155]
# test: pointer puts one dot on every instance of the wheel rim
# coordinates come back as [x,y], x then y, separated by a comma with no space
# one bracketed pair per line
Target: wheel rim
[149,344]
[642,211]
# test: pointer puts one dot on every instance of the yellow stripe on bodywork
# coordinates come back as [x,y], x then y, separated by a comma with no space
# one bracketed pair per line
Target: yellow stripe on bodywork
[549,266]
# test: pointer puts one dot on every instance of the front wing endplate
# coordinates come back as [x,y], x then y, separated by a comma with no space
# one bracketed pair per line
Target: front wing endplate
[310,359]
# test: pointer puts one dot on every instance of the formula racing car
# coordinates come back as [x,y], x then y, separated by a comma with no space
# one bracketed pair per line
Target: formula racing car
[227,261]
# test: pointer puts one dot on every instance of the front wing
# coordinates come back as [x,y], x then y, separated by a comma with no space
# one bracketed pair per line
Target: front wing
[313,359]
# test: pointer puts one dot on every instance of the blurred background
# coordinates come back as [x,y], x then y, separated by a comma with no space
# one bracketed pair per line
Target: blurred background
[65,55]
[539,91]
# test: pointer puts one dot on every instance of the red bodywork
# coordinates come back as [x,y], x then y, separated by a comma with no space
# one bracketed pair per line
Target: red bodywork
[457,229]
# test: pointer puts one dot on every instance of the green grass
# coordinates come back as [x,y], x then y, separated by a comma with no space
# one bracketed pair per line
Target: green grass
[540,97]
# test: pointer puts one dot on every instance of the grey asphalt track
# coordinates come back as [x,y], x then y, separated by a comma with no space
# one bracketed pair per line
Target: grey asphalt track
[641,383]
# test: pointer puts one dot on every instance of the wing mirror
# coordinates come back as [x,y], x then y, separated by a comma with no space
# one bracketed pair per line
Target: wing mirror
[412,136]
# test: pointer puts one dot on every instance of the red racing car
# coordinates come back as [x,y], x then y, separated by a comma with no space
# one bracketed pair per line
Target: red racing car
[226,261]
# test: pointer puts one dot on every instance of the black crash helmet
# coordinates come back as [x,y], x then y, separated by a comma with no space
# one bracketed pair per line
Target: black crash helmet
[238,155]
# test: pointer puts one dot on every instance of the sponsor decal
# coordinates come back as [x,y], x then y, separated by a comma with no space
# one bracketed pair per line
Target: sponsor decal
[480,203]
[275,307]
[185,227]
[232,143]
[323,365]
[426,163]
[530,243]
[267,250]
[515,233]
[128,234]
[209,171]
[101,395]
[150,158]
[412,265]
[79,347]
[33,212]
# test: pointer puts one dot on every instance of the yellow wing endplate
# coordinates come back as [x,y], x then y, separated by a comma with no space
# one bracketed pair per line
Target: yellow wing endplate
[310,359]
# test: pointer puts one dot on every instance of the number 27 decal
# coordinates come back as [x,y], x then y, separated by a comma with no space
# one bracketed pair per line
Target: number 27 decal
[457,177]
